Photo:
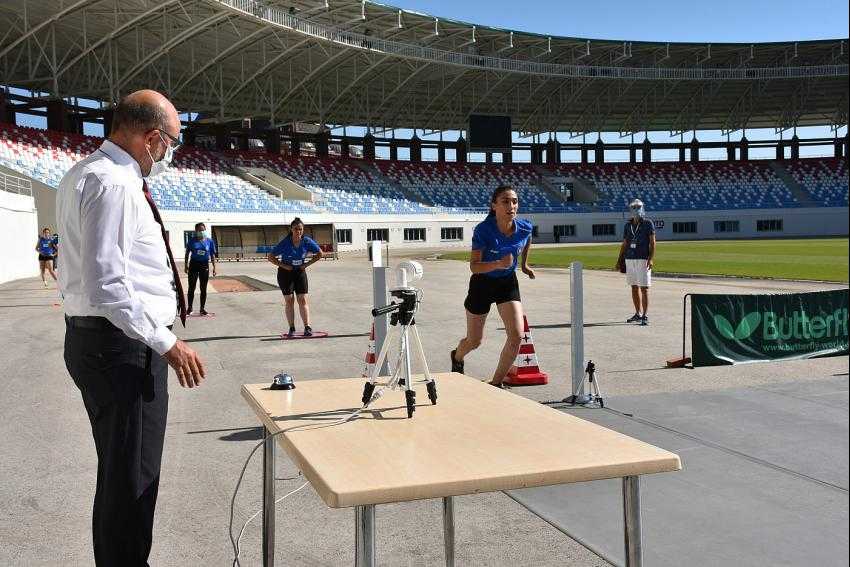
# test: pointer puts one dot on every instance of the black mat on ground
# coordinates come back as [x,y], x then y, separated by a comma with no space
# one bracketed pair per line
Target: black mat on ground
[764,479]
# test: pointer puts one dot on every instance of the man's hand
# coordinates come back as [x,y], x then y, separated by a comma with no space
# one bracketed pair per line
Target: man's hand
[187,364]
[214,271]
[505,261]
[528,272]
[186,268]
[649,264]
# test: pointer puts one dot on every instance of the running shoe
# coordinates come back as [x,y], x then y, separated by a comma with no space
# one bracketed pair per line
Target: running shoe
[633,319]
[189,311]
[644,321]
[456,366]
[291,332]
[308,331]
[204,312]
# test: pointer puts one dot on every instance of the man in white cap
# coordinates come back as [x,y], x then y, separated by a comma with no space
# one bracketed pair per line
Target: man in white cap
[637,253]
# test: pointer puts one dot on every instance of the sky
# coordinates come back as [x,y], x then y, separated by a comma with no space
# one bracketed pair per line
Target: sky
[718,21]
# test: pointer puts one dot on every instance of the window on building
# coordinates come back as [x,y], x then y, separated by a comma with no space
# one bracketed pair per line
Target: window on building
[414,235]
[604,230]
[343,236]
[563,230]
[378,234]
[685,227]
[727,226]
[451,233]
[769,225]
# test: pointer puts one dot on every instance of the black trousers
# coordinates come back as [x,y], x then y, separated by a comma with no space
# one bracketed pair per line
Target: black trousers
[125,391]
[198,271]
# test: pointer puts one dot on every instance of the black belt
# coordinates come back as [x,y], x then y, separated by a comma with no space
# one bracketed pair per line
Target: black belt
[90,322]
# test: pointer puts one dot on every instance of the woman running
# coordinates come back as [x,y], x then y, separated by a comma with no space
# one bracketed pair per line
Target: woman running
[46,252]
[496,246]
[200,253]
[290,257]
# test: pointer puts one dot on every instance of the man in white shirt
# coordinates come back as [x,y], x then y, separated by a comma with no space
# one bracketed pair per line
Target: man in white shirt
[121,295]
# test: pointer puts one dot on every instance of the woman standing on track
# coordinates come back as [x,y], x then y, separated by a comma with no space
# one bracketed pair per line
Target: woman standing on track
[46,252]
[292,267]
[200,252]
[497,243]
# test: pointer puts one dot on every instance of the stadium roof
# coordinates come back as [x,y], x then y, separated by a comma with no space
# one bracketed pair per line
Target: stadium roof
[354,62]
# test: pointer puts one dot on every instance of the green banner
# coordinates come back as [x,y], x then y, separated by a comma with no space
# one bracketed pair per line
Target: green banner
[730,329]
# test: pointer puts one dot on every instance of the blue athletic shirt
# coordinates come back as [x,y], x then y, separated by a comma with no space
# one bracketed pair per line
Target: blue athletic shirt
[201,250]
[45,246]
[292,255]
[493,244]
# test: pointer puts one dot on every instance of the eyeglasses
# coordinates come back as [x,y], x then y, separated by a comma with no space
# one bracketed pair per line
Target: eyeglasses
[175,142]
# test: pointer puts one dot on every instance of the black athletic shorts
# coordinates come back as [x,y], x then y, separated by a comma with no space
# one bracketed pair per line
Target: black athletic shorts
[292,280]
[484,291]
[43,258]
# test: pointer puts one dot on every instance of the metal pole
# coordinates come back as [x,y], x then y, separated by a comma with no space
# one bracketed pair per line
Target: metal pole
[449,530]
[380,297]
[364,535]
[631,521]
[577,331]
[268,499]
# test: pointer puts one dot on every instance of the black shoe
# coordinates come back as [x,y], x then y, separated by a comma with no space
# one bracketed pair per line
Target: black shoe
[456,366]
[308,332]
[189,311]
[291,332]
[644,321]
[634,319]
[204,312]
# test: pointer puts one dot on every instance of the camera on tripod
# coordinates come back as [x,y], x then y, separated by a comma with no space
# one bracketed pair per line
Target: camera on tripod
[403,323]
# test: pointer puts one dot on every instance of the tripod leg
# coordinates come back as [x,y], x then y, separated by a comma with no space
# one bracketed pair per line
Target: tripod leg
[430,383]
[410,398]
[382,355]
[369,387]
[421,352]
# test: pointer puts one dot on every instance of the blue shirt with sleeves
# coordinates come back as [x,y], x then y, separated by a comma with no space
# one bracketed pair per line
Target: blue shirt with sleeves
[493,244]
[637,239]
[295,255]
[201,250]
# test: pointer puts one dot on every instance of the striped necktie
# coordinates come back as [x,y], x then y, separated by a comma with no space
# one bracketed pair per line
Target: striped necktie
[181,299]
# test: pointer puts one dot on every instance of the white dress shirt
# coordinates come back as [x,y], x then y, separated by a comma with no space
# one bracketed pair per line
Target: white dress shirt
[114,262]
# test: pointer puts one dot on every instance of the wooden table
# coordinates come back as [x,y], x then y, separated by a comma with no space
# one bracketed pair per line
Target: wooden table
[476,439]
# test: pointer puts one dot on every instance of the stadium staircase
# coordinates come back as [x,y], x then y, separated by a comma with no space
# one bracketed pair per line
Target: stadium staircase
[799,192]
[370,168]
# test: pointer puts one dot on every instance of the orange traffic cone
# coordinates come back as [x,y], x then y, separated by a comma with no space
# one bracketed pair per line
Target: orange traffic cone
[369,360]
[525,371]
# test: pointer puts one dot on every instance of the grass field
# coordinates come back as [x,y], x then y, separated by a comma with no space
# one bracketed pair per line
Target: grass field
[803,259]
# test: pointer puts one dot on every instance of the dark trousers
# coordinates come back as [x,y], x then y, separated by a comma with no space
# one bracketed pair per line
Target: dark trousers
[198,271]
[125,391]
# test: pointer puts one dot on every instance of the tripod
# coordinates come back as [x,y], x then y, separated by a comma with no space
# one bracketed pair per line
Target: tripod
[595,395]
[403,328]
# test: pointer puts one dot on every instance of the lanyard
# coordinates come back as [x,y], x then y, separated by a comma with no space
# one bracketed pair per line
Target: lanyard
[634,232]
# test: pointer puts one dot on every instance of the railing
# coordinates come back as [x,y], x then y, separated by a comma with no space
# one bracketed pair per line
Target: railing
[14,184]
[334,34]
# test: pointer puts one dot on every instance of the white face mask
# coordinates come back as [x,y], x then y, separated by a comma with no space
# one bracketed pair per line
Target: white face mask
[160,166]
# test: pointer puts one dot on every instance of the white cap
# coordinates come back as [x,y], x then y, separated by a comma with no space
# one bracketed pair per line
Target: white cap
[636,204]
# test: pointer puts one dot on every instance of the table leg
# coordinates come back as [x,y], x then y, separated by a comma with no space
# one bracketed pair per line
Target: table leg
[364,535]
[268,499]
[631,521]
[449,530]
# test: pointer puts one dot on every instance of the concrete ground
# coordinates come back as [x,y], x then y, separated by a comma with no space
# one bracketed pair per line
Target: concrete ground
[47,474]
